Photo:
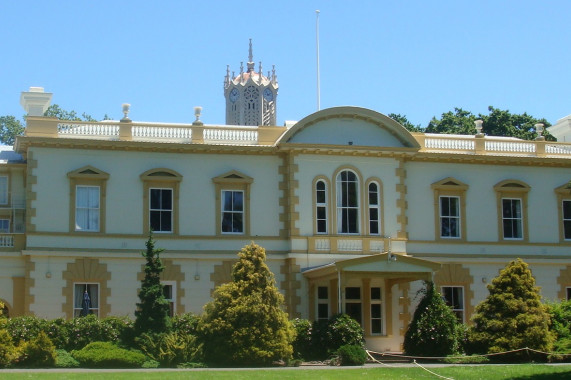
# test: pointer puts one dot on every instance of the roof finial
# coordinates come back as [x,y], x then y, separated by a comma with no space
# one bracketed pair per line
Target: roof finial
[250,58]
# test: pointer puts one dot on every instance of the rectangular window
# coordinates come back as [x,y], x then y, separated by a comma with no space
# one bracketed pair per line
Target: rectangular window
[232,212]
[353,303]
[449,217]
[85,299]
[454,297]
[169,292]
[161,210]
[512,218]
[322,303]
[3,190]
[87,208]
[4,226]
[567,219]
[376,311]
[321,207]
[568,293]
[374,209]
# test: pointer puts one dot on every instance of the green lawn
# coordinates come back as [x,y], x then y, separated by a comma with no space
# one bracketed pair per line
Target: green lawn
[485,372]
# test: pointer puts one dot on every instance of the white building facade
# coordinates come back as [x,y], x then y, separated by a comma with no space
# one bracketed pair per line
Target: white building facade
[353,210]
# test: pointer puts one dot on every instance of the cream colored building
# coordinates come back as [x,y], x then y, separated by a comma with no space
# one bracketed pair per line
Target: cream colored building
[353,211]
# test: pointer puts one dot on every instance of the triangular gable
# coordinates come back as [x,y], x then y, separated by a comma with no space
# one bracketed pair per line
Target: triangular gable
[233,176]
[88,172]
[382,265]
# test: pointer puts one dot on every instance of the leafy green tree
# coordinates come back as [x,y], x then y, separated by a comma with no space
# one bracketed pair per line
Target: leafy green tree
[245,324]
[56,111]
[433,330]
[512,316]
[152,314]
[561,325]
[497,123]
[10,127]
[405,122]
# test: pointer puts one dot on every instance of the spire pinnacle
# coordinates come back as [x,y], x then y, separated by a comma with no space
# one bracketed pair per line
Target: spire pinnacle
[250,58]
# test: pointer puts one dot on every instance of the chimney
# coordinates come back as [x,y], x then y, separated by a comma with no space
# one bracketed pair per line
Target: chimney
[35,102]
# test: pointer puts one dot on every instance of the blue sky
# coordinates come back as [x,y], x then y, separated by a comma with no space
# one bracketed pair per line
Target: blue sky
[417,58]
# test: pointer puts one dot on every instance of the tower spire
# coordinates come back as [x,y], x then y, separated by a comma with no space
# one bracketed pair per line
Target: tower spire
[250,58]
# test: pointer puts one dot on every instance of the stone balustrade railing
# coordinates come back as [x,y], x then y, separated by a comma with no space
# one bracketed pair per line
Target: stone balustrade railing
[176,133]
[490,145]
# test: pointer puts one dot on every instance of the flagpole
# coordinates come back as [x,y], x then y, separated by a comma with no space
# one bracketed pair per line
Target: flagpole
[317,51]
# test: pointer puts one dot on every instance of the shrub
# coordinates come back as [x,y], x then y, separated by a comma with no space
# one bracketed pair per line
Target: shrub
[38,352]
[352,354]
[170,349]
[25,328]
[512,316]
[302,348]
[433,330]
[185,323]
[245,323]
[108,355]
[84,330]
[328,336]
[65,360]
[561,325]
[8,351]
[58,332]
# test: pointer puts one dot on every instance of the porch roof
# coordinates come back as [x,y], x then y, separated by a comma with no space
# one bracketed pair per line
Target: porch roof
[390,266]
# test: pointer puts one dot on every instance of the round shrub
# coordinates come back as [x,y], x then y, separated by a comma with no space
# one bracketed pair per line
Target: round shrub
[328,336]
[38,352]
[351,354]
[8,351]
[108,355]
[302,348]
[65,360]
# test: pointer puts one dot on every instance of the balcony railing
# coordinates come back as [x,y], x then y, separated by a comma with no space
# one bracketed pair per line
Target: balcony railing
[491,145]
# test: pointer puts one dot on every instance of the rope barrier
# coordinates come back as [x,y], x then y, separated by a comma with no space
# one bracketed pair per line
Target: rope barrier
[433,373]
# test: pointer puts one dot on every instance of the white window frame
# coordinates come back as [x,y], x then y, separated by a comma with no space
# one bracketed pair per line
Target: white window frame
[172,299]
[322,301]
[343,206]
[519,220]
[94,310]
[321,206]
[450,217]
[4,190]
[91,210]
[457,310]
[379,302]
[5,226]
[160,210]
[374,207]
[232,212]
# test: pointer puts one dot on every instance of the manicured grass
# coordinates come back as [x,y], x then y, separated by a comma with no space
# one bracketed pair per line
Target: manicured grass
[484,372]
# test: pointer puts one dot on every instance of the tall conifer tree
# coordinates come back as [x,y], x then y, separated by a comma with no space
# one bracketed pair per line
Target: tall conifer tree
[152,314]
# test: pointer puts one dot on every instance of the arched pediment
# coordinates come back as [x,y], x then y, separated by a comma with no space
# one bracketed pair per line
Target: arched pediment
[349,126]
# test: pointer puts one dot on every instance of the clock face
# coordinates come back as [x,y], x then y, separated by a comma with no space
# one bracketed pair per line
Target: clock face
[268,95]
[234,95]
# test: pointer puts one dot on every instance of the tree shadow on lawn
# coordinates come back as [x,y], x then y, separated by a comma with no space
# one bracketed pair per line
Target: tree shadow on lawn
[545,376]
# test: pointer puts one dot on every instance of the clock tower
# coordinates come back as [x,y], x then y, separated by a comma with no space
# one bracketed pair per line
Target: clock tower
[250,96]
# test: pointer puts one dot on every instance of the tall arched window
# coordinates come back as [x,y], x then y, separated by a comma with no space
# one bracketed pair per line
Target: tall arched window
[374,209]
[321,207]
[347,203]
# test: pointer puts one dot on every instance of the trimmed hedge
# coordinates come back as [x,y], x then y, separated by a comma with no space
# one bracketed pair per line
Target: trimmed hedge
[351,354]
[108,355]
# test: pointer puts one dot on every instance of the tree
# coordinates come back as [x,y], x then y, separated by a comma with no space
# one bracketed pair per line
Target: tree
[56,111]
[497,123]
[152,314]
[405,122]
[244,324]
[10,127]
[433,330]
[512,316]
